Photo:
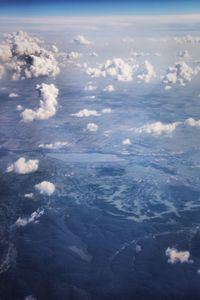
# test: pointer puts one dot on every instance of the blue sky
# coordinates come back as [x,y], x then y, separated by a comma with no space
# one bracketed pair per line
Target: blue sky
[97,7]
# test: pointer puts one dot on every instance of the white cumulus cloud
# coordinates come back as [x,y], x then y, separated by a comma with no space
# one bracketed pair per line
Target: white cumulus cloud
[126,142]
[81,40]
[45,188]
[32,219]
[86,113]
[180,73]
[48,104]
[56,145]
[192,122]
[23,166]
[146,72]
[176,256]
[23,57]
[13,95]
[90,87]
[158,128]
[92,127]
[116,68]
[109,88]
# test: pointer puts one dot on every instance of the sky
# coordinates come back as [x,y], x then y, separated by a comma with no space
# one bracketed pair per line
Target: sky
[97,7]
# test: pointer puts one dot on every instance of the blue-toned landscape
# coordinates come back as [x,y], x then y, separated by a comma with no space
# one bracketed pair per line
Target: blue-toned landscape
[100,157]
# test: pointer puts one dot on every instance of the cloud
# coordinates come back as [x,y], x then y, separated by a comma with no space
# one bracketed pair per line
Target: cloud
[94,54]
[180,73]
[176,256]
[147,72]
[30,195]
[158,128]
[73,55]
[126,142]
[13,95]
[192,122]
[45,188]
[5,52]
[86,113]
[23,57]
[19,107]
[56,145]
[30,298]
[32,219]
[138,248]
[2,71]
[168,87]
[90,87]
[189,39]
[55,49]
[137,54]
[92,127]
[48,104]
[109,88]
[23,166]
[116,68]
[81,40]
[106,110]
[184,54]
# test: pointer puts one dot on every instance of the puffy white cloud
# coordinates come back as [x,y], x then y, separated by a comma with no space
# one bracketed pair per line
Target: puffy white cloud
[126,142]
[192,122]
[48,104]
[86,113]
[158,128]
[147,72]
[32,219]
[23,57]
[176,256]
[93,54]
[55,49]
[184,54]
[13,95]
[19,107]
[45,188]
[56,145]
[168,87]
[90,87]
[30,195]
[116,68]
[81,40]
[109,88]
[74,55]
[23,166]
[180,73]
[92,127]
[106,110]
[91,113]
[91,97]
